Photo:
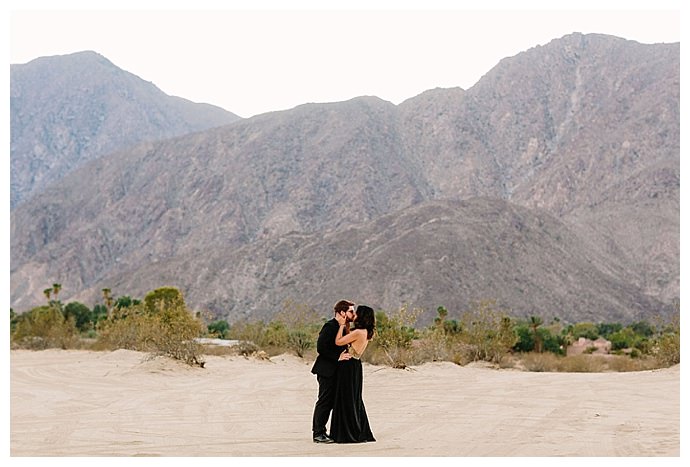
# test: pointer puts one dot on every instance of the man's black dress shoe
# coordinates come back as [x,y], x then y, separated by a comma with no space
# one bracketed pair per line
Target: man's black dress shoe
[323,439]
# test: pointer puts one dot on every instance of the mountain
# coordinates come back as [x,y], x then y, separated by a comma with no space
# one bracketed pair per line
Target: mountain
[578,140]
[441,252]
[587,127]
[67,110]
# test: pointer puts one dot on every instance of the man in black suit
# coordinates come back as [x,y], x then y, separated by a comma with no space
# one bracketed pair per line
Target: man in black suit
[325,366]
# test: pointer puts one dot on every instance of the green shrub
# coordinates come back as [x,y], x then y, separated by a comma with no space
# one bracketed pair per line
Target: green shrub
[642,328]
[81,315]
[219,328]
[623,339]
[551,342]
[525,338]
[587,330]
[126,301]
[98,314]
[606,329]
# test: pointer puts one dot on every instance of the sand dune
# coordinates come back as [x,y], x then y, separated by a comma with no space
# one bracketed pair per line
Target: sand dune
[80,403]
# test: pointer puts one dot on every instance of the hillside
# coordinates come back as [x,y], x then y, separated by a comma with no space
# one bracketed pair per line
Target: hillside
[449,253]
[579,139]
[67,110]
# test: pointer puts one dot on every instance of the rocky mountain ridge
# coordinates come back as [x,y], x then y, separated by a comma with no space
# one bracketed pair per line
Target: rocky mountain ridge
[584,129]
[70,109]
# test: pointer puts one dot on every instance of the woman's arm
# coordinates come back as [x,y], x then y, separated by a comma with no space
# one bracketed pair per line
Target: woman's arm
[343,339]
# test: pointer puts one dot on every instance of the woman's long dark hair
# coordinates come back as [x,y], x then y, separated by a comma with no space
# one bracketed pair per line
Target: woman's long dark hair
[365,320]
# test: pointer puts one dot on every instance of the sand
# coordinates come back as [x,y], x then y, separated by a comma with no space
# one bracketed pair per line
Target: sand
[82,403]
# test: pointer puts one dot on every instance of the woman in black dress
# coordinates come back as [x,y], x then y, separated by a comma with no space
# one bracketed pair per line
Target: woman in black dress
[349,422]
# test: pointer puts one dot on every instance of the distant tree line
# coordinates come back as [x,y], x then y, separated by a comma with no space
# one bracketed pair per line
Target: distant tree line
[161,323]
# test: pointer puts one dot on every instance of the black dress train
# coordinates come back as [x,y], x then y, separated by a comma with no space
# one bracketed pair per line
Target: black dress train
[349,422]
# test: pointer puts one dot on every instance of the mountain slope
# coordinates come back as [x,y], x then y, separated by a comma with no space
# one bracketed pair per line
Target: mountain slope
[563,127]
[584,130]
[435,253]
[67,110]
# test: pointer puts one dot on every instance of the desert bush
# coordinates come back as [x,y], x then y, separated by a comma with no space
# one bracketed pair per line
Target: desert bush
[301,324]
[294,328]
[127,328]
[394,335]
[549,362]
[44,327]
[161,327]
[300,341]
[250,334]
[254,336]
[434,345]
[667,348]
[582,364]
[220,350]
[585,363]
[624,363]
[163,297]
[487,332]
[178,331]
[257,335]
[437,342]
[539,361]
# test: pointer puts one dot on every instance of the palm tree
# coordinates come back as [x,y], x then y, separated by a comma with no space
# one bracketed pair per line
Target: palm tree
[441,318]
[56,289]
[534,323]
[107,298]
[47,292]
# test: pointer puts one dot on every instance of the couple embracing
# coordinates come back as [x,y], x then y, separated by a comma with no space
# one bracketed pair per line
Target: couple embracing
[338,370]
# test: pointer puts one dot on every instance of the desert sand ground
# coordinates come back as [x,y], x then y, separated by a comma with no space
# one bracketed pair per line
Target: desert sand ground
[81,403]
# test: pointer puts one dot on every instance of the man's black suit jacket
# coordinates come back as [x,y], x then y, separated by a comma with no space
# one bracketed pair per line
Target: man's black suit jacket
[327,360]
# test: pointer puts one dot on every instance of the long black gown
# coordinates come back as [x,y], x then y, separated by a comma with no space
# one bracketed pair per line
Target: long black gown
[349,422]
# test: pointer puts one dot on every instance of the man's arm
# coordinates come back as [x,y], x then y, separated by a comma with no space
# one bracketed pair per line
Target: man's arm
[325,345]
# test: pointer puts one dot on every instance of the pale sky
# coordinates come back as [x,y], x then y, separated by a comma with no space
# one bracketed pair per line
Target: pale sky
[250,60]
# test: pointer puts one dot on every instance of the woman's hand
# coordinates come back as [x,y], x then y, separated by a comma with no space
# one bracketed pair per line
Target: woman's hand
[341,319]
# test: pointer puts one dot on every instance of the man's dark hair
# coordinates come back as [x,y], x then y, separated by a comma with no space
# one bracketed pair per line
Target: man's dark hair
[342,306]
